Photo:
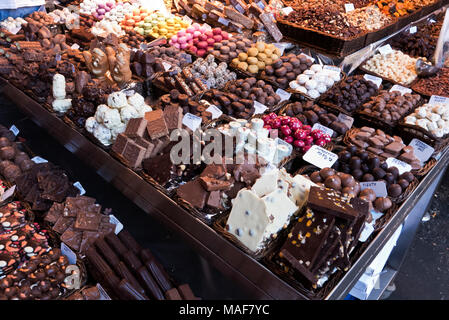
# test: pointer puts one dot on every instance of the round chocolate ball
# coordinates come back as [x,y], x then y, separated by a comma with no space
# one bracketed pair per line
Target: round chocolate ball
[394,171]
[408,176]
[379,173]
[12,172]
[11,291]
[349,191]
[327,172]
[394,190]
[54,254]
[333,182]
[63,261]
[382,204]
[367,177]
[368,194]
[344,156]
[347,180]
[403,183]
[357,174]
[4,142]
[36,291]
[51,270]
[7,153]
[362,154]
[389,178]
[316,177]
[45,285]
[5,283]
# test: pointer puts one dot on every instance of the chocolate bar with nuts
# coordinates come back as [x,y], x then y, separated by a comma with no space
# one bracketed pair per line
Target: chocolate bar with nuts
[236,16]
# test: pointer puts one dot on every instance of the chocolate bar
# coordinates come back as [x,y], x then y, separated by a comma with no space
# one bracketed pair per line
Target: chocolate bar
[134,154]
[129,292]
[270,25]
[332,202]
[173,294]
[149,283]
[115,243]
[129,241]
[186,292]
[238,17]
[120,143]
[173,117]
[159,274]
[132,261]
[136,127]
[124,272]
[156,126]
[107,252]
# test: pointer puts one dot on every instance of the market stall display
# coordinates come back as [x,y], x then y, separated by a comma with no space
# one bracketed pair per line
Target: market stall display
[130,95]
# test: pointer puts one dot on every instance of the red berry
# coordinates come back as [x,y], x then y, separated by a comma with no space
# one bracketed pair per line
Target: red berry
[316,134]
[288,139]
[300,134]
[305,149]
[299,143]
[320,142]
[286,120]
[273,115]
[276,123]
[265,118]
[295,125]
[286,130]
[308,140]
[307,128]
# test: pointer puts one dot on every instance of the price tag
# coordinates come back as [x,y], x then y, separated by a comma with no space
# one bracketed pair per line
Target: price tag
[376,80]
[349,7]
[379,187]
[118,224]
[8,193]
[167,66]
[432,21]
[413,30]
[401,165]
[325,129]
[191,121]
[283,94]
[385,49]
[75,46]
[347,120]
[401,89]
[260,108]
[103,294]
[287,10]
[438,100]
[422,150]
[80,188]
[261,5]
[71,256]
[320,157]
[39,160]
[14,130]
[239,8]
[223,21]
[332,68]
[216,113]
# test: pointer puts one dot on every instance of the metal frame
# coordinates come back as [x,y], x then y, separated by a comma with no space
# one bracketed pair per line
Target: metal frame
[258,280]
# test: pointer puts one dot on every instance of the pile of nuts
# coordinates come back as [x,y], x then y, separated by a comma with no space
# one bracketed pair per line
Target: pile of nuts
[368,18]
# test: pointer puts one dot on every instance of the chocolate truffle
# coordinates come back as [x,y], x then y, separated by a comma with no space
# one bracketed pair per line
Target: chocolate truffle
[394,190]
[382,204]
[7,153]
[369,194]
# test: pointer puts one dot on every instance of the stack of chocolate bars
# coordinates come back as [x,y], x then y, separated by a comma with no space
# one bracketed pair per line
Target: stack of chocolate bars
[322,239]
[79,221]
[145,137]
[128,272]
[182,80]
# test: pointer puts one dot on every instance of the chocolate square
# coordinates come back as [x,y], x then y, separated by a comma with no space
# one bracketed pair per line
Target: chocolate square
[63,224]
[136,127]
[331,202]
[88,221]
[173,117]
[72,238]
[156,126]
[88,238]
[120,143]
[134,154]
[54,213]
[194,193]
[149,147]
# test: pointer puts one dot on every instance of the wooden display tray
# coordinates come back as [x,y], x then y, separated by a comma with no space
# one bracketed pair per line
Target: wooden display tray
[256,278]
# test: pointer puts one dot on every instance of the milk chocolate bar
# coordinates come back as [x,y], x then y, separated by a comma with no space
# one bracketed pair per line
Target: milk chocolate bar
[134,154]
[107,252]
[209,6]
[159,275]
[173,117]
[147,145]
[124,273]
[132,261]
[173,294]
[116,244]
[136,127]
[186,292]
[156,126]
[332,202]
[270,25]
[150,284]
[240,6]
[129,241]
[120,143]
[128,292]
[238,17]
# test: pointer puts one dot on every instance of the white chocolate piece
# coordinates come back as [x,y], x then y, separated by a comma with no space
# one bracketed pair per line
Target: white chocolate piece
[59,87]
[117,100]
[62,105]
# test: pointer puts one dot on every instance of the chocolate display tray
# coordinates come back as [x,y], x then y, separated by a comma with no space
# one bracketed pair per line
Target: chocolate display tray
[320,40]
[230,260]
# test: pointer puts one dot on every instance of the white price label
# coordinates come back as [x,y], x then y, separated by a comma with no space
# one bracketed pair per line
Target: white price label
[191,121]
[349,7]
[239,8]
[379,187]
[39,160]
[65,250]
[118,224]
[422,150]
[401,89]
[223,21]
[287,10]
[14,130]
[376,80]
[261,5]
[385,49]
[283,94]
[347,120]
[216,113]
[320,157]
[80,188]
[75,46]
[438,100]
[281,46]
[332,68]
[413,30]
[401,165]
[167,66]
[8,193]
[325,129]
[260,108]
